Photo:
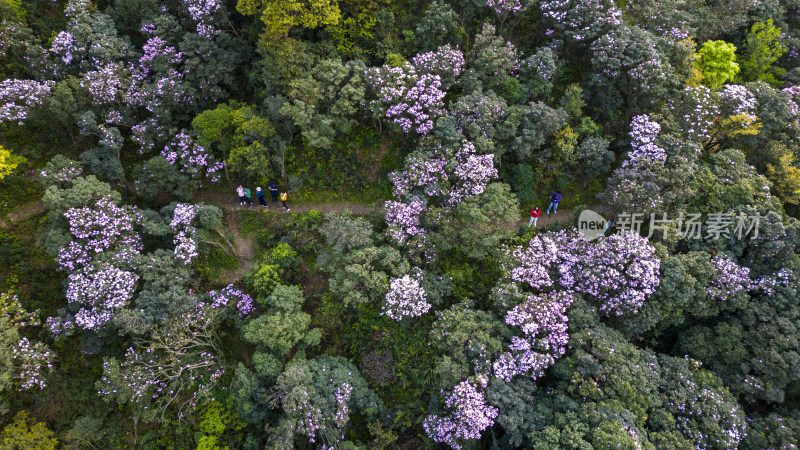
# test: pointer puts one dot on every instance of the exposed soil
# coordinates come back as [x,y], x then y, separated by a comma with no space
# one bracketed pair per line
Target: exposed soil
[20,213]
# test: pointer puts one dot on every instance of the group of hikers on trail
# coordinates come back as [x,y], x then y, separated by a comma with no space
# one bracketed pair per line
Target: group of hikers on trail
[244,196]
[555,197]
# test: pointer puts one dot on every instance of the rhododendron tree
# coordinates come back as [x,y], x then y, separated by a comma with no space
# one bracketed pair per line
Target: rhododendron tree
[408,98]
[543,321]
[177,367]
[406,297]
[582,20]
[18,97]
[468,414]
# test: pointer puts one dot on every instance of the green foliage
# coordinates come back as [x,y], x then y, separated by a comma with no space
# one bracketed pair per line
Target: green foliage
[242,138]
[762,48]
[265,279]
[572,102]
[362,276]
[717,62]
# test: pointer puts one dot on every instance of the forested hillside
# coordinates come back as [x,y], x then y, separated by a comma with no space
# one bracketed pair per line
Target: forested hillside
[375,224]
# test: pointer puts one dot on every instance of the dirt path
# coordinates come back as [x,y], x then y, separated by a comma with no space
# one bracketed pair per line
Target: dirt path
[230,202]
[21,213]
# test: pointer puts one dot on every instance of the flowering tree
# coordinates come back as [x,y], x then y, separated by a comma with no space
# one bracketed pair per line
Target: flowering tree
[581,20]
[175,368]
[316,398]
[543,321]
[446,62]
[18,97]
[440,177]
[406,297]
[410,99]
[643,135]
[22,362]
[728,280]
[469,414]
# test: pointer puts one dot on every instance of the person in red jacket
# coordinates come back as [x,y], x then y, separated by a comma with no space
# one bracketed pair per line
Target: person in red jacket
[534,216]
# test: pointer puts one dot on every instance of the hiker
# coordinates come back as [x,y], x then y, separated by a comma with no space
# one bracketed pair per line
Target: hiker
[247,197]
[284,197]
[260,195]
[273,190]
[534,216]
[240,191]
[555,197]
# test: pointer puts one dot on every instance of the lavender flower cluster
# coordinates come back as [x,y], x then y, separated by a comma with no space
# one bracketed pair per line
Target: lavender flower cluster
[192,158]
[472,174]
[202,12]
[18,97]
[543,321]
[582,19]
[409,99]
[184,240]
[100,287]
[699,112]
[619,271]
[737,99]
[66,174]
[728,280]
[65,47]
[61,327]
[31,358]
[406,297]
[99,291]
[435,179]
[105,85]
[469,414]
[643,135]
[231,295]
[505,6]
[446,62]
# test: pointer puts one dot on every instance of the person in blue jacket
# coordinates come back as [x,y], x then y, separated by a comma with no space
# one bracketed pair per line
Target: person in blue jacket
[273,190]
[555,197]
[260,195]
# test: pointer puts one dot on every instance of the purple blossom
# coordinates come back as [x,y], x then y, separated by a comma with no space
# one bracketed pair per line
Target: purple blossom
[543,321]
[31,358]
[410,99]
[446,62]
[582,19]
[728,279]
[18,97]
[643,135]
[406,297]
[230,295]
[469,414]
[505,6]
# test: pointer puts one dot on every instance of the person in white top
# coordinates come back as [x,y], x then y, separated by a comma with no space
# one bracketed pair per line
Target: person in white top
[240,191]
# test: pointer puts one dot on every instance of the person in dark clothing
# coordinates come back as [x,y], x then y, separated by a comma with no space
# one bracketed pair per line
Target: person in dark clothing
[273,190]
[555,197]
[260,195]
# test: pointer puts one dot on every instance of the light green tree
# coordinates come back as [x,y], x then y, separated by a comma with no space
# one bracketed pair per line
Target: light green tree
[717,61]
[24,434]
[762,48]
[282,15]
